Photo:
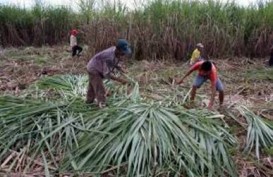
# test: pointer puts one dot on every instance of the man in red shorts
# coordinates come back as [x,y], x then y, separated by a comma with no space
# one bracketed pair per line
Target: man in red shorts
[206,70]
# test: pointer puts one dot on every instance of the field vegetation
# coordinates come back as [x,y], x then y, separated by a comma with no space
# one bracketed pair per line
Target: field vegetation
[157,29]
[148,128]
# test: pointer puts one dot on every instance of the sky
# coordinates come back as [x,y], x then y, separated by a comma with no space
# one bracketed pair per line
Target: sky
[129,3]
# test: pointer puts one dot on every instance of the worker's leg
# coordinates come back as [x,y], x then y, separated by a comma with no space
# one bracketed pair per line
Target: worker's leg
[90,90]
[220,88]
[193,93]
[99,89]
[198,82]
[74,50]
[79,50]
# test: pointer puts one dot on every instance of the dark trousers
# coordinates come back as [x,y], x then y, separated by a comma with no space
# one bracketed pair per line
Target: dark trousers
[95,88]
[76,50]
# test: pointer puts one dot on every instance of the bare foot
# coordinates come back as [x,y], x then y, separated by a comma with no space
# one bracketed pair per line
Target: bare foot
[102,105]
[189,105]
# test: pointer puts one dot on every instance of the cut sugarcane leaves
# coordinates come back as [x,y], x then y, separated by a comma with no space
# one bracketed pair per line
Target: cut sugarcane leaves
[132,136]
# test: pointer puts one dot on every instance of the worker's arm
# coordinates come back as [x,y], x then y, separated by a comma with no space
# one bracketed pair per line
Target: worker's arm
[186,75]
[193,68]
[123,81]
[213,92]
[213,80]
[122,70]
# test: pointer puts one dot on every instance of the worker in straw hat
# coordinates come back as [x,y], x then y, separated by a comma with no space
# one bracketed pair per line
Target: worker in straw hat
[102,66]
[206,70]
[197,54]
[75,48]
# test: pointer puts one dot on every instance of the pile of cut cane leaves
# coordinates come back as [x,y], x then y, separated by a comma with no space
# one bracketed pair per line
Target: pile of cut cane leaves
[50,125]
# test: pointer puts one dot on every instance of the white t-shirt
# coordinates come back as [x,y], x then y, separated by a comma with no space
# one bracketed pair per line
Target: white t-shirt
[73,40]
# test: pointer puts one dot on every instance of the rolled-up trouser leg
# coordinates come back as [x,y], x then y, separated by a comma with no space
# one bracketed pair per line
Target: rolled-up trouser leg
[97,84]
[90,90]
[74,50]
[79,50]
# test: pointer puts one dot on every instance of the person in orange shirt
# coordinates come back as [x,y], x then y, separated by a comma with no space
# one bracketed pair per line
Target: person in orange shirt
[206,70]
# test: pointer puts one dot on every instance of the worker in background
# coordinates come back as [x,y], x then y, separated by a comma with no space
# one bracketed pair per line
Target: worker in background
[75,48]
[197,54]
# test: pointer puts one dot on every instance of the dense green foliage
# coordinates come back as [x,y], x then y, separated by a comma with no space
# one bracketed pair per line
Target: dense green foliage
[138,137]
[132,136]
[160,28]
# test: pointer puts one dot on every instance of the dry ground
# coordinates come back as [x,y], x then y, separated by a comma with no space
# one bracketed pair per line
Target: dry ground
[246,81]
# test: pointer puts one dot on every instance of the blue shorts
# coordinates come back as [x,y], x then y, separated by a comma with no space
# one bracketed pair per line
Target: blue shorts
[199,80]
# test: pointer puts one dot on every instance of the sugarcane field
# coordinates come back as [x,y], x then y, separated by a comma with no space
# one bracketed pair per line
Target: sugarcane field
[158,88]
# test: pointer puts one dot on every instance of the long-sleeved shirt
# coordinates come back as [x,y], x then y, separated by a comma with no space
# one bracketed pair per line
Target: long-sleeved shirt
[104,62]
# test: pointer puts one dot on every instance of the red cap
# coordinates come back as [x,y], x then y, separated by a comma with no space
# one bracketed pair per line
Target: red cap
[74,32]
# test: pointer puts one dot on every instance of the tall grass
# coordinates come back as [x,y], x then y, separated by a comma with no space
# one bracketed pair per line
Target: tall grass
[37,26]
[158,29]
